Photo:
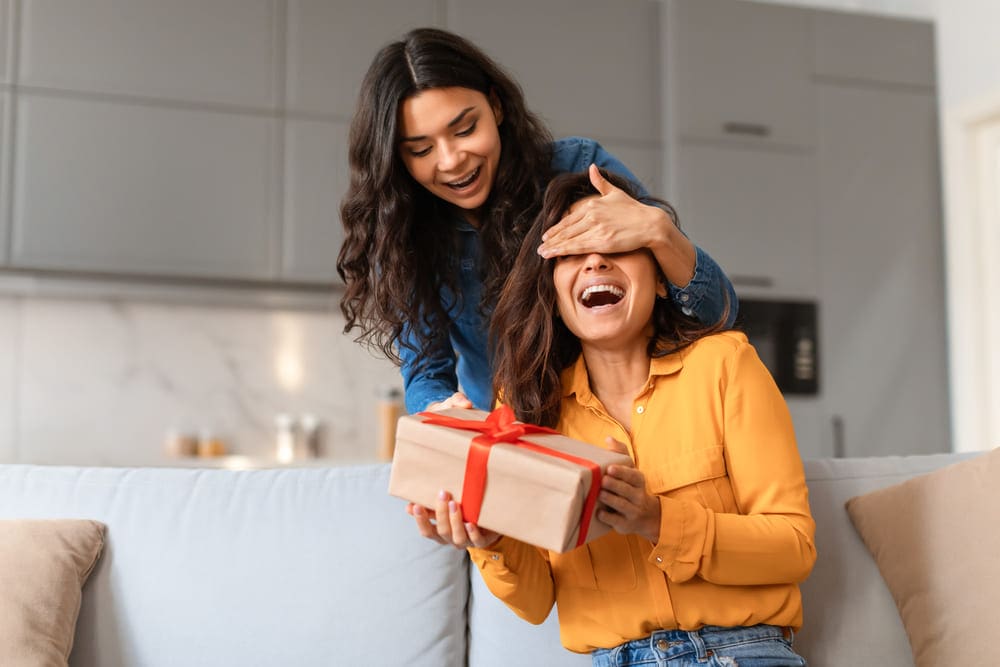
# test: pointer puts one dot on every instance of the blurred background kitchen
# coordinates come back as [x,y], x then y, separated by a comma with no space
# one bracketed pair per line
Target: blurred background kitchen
[171,172]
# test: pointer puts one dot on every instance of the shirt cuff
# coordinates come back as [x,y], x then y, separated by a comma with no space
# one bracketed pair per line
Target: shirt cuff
[491,556]
[684,527]
[689,297]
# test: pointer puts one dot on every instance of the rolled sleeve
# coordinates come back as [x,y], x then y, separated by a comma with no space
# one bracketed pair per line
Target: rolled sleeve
[705,296]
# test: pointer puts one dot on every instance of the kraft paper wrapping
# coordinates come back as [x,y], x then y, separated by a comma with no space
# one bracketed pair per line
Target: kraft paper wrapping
[532,497]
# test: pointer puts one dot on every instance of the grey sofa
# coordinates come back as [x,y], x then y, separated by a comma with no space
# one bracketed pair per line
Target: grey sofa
[321,567]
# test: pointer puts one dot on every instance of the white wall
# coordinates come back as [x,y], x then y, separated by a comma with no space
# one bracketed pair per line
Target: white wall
[101,382]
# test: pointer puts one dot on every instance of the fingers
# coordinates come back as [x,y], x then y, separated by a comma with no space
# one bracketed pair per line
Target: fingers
[451,528]
[460,400]
[617,446]
[456,400]
[423,519]
[623,489]
[480,537]
[445,525]
[566,229]
[626,506]
[600,183]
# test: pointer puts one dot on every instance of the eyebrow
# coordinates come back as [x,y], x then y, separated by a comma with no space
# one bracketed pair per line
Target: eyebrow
[454,121]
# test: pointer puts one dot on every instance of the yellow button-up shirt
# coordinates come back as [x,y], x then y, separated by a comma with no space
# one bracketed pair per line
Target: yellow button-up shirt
[714,439]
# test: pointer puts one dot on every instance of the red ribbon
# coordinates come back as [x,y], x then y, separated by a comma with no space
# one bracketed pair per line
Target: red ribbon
[502,427]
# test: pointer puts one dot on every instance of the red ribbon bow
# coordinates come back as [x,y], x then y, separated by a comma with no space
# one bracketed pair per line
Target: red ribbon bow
[501,426]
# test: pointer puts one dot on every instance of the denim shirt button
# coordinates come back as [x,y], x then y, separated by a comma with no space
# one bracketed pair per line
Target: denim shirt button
[662,645]
[685,297]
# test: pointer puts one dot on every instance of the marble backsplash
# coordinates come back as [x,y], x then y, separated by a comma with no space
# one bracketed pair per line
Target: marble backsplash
[103,382]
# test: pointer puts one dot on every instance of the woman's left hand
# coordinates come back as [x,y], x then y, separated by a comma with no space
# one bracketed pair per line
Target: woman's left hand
[628,507]
[613,222]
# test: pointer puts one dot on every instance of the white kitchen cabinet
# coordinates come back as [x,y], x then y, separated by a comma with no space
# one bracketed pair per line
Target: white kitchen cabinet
[744,69]
[316,179]
[214,51]
[587,66]
[755,213]
[202,140]
[838,203]
[107,187]
[882,319]
[877,49]
[329,48]
[331,45]
[5,33]
[644,161]
[5,160]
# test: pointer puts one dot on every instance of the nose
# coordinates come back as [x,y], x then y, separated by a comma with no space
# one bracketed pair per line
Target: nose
[595,261]
[449,156]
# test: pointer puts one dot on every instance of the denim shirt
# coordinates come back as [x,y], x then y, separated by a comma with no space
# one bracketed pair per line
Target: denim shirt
[468,366]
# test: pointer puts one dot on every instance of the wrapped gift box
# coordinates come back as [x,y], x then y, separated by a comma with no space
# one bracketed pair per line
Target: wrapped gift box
[532,496]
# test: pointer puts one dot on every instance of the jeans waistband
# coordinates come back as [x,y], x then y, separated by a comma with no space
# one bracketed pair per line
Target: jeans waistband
[666,644]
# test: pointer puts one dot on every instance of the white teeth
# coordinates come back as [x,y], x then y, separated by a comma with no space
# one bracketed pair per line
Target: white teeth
[593,289]
[461,184]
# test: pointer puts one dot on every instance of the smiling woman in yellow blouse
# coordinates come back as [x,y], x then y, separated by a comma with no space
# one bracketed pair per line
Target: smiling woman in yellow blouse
[713,531]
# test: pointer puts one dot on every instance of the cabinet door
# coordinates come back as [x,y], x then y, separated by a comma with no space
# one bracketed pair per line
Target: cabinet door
[316,179]
[754,212]
[882,319]
[114,187]
[741,71]
[4,180]
[874,48]
[587,67]
[331,45]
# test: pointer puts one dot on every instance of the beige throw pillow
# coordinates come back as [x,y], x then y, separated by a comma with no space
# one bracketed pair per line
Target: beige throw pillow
[936,539]
[43,566]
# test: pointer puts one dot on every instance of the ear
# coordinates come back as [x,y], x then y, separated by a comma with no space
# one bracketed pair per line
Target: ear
[496,105]
[661,288]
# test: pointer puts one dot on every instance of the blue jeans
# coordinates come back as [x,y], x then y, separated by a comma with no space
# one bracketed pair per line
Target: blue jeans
[711,646]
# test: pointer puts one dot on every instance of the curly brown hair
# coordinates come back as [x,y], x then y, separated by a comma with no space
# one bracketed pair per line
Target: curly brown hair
[531,345]
[400,244]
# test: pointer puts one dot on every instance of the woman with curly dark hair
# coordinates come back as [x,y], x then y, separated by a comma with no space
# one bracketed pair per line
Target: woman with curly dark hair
[448,167]
[712,528]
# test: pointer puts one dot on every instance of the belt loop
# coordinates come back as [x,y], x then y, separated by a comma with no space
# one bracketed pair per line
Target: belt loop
[698,643]
[789,634]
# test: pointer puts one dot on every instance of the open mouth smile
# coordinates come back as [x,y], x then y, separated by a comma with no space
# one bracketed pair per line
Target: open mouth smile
[603,294]
[465,182]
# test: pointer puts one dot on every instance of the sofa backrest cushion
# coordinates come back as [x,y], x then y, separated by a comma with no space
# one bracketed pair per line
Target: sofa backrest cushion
[850,616]
[274,567]
[499,638]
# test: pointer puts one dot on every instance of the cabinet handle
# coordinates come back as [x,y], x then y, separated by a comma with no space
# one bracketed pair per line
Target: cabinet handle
[839,446]
[747,129]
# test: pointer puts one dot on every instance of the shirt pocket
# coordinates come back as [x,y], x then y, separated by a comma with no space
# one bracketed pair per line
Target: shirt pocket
[698,475]
[606,564]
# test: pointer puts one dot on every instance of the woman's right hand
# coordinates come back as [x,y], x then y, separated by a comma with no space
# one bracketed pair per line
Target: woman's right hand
[456,400]
[448,527]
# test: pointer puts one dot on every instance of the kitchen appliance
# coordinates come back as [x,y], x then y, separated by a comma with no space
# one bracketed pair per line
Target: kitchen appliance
[785,334]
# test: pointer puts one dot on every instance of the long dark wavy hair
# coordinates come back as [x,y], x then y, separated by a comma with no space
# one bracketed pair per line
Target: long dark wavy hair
[531,344]
[400,243]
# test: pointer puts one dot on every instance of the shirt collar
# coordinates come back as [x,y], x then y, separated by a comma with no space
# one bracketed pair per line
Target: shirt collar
[575,379]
